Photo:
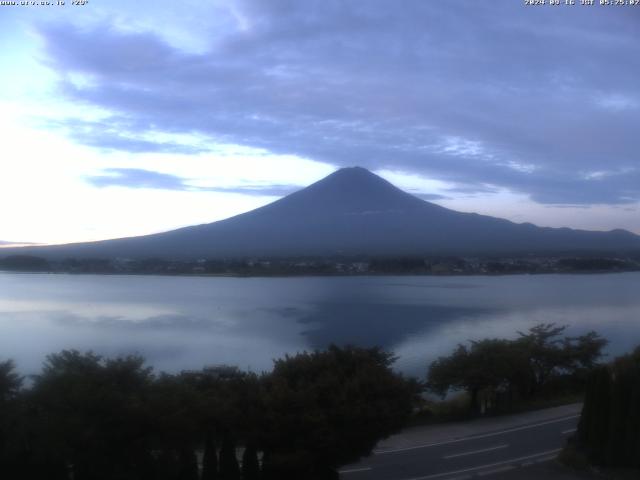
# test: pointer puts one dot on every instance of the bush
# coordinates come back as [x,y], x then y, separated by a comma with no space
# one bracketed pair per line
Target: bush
[609,428]
[94,418]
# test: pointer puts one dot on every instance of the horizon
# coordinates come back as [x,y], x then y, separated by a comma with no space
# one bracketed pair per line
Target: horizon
[368,173]
[128,119]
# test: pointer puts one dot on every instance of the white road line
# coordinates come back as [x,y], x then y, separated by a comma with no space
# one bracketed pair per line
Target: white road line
[566,432]
[355,470]
[489,465]
[475,437]
[506,468]
[544,459]
[489,449]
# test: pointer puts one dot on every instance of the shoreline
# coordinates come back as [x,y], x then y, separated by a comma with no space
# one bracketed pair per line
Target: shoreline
[321,275]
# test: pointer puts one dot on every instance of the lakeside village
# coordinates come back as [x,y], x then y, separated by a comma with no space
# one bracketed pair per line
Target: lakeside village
[332,266]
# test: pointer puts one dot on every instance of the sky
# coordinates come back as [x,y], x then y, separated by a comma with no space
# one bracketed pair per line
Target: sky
[122,118]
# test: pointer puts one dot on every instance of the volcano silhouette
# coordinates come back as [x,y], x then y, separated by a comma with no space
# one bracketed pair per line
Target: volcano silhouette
[350,212]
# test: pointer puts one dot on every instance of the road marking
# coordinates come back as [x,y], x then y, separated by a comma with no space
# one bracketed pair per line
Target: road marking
[355,470]
[544,459]
[489,465]
[489,449]
[496,470]
[571,430]
[475,437]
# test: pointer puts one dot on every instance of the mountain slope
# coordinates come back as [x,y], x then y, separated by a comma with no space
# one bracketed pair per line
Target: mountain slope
[350,212]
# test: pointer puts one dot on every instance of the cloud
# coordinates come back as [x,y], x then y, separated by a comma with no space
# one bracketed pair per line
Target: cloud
[120,134]
[430,196]
[5,244]
[136,178]
[618,102]
[139,178]
[500,96]
[269,190]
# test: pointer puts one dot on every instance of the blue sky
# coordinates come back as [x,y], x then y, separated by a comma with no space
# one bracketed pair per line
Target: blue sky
[123,118]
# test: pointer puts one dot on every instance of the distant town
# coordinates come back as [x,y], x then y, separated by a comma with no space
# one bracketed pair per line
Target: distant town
[330,266]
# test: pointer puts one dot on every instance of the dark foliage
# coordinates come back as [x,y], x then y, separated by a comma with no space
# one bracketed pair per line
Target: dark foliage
[24,263]
[329,408]
[10,382]
[11,457]
[498,372]
[229,468]
[91,413]
[90,418]
[413,265]
[592,264]
[609,428]
[209,459]
[250,463]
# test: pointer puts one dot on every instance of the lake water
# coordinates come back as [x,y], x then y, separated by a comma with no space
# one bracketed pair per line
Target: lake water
[188,322]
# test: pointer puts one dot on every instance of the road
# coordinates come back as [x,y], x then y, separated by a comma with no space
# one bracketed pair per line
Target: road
[484,448]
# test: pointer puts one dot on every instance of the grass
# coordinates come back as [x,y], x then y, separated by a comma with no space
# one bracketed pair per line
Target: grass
[457,408]
[577,461]
[454,408]
[573,458]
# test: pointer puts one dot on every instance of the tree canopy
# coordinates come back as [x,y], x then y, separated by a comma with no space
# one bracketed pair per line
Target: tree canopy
[329,408]
[609,428]
[88,417]
[494,369]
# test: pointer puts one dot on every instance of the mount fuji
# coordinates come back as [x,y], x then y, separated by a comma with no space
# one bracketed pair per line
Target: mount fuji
[350,212]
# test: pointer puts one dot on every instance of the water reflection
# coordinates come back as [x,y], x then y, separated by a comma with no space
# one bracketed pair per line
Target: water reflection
[187,322]
[384,324]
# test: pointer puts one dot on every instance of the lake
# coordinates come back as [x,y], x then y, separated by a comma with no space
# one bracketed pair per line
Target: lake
[188,322]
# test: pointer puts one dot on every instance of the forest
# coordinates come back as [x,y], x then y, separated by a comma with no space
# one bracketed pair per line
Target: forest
[92,418]
[609,430]
[88,417]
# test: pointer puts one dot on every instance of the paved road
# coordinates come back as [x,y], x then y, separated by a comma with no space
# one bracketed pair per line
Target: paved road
[486,449]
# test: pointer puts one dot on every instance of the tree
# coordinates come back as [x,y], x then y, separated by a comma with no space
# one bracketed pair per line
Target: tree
[188,464]
[551,356]
[210,458]
[229,468]
[488,366]
[609,427]
[175,432]
[228,409]
[582,353]
[455,372]
[10,413]
[544,351]
[495,371]
[328,408]
[250,464]
[10,381]
[92,418]
[91,413]
[594,420]
[25,263]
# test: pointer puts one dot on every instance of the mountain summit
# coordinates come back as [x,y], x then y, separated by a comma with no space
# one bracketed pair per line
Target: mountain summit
[350,212]
[349,190]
